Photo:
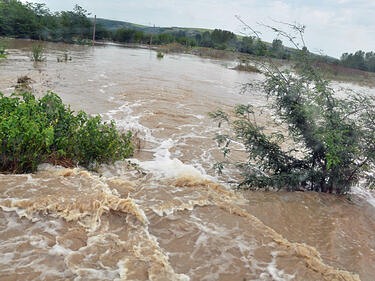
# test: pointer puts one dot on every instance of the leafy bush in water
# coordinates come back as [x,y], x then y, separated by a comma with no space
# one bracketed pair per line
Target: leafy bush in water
[3,53]
[37,53]
[334,138]
[34,131]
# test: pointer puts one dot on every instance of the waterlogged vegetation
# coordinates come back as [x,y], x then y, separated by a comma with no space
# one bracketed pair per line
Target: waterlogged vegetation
[3,53]
[37,53]
[333,138]
[246,66]
[160,55]
[64,58]
[33,131]
[23,83]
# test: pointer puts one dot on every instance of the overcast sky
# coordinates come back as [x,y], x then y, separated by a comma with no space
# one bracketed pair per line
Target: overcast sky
[332,26]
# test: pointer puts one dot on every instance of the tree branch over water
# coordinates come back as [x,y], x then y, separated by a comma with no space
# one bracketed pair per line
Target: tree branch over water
[332,138]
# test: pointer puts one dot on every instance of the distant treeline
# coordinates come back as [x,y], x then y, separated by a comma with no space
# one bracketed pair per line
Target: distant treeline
[359,60]
[36,21]
[217,39]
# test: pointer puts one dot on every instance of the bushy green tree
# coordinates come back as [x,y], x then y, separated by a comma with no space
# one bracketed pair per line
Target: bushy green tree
[333,138]
[34,131]
[35,21]
[247,45]
[359,60]
[260,48]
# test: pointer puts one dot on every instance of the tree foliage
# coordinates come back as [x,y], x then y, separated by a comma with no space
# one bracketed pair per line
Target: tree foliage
[36,21]
[359,60]
[34,131]
[333,137]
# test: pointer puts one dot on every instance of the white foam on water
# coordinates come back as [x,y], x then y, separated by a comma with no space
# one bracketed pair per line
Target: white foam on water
[165,166]
[129,121]
[276,274]
[364,193]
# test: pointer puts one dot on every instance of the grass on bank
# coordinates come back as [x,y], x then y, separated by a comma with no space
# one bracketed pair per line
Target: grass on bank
[34,131]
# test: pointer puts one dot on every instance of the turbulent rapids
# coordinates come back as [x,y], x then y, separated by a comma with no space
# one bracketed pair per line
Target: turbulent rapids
[173,218]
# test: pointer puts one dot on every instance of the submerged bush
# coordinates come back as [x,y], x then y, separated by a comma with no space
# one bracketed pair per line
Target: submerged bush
[35,131]
[333,138]
[3,53]
[37,52]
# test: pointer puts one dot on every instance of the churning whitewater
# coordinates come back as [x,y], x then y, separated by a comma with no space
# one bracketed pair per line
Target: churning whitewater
[171,218]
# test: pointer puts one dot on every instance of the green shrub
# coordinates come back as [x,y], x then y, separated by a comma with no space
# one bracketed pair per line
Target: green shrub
[35,131]
[160,55]
[37,53]
[3,53]
[331,138]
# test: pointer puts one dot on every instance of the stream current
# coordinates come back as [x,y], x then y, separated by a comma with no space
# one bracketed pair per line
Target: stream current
[178,221]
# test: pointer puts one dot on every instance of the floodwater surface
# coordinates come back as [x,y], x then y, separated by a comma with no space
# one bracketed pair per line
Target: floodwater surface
[177,220]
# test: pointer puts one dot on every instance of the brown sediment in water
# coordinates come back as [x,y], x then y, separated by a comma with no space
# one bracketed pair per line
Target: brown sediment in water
[312,260]
[87,209]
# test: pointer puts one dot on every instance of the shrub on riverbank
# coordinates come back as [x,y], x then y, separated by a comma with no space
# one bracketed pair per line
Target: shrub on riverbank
[34,131]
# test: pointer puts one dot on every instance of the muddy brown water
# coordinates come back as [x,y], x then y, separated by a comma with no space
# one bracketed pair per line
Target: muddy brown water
[179,221]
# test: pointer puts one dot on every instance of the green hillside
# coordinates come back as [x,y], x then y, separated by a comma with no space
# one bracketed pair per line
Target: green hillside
[113,25]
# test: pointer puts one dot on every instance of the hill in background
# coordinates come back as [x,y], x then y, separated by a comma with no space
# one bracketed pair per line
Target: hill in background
[113,25]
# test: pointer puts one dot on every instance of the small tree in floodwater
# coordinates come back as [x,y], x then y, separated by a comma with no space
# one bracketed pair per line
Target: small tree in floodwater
[334,137]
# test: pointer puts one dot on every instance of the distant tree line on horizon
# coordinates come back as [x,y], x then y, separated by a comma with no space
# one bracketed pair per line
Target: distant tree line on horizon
[36,21]
[217,39]
[359,60]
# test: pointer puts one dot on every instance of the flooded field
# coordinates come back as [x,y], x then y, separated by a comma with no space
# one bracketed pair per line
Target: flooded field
[178,220]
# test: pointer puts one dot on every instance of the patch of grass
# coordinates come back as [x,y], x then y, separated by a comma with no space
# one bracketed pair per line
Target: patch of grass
[34,131]
[160,55]
[37,53]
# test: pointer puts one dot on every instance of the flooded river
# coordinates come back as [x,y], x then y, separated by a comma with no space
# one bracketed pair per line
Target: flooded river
[178,220]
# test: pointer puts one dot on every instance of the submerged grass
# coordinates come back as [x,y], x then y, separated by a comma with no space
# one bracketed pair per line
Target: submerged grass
[3,53]
[34,131]
[37,53]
